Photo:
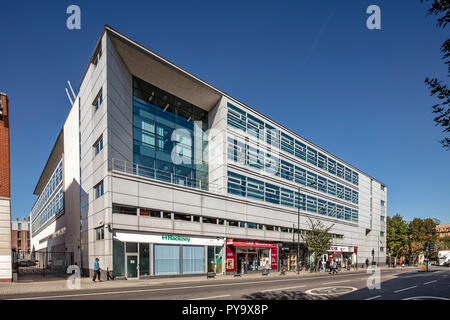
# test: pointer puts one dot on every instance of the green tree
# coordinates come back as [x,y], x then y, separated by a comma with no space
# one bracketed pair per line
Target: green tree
[318,239]
[397,235]
[437,88]
[421,231]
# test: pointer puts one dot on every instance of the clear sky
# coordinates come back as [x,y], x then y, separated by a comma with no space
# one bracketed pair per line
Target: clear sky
[312,66]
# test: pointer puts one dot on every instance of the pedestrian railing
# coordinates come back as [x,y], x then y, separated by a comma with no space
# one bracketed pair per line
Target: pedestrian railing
[164,176]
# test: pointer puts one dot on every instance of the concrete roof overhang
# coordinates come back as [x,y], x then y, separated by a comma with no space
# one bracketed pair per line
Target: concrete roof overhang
[52,162]
[148,66]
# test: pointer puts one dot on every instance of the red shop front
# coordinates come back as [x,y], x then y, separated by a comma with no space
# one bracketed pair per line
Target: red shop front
[251,255]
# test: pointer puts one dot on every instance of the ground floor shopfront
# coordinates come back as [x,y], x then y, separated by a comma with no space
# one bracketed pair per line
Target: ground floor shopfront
[288,255]
[250,255]
[344,255]
[138,255]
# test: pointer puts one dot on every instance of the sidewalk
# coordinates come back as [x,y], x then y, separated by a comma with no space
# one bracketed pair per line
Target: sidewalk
[54,283]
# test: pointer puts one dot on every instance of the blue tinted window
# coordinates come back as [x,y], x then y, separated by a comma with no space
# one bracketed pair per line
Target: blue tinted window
[99,190]
[340,170]
[347,194]
[236,184]
[322,161]
[355,178]
[322,184]
[340,191]
[272,136]
[272,165]
[340,212]
[311,156]
[311,180]
[255,127]
[300,176]
[300,150]
[348,174]
[272,193]
[287,170]
[236,117]
[255,158]
[355,197]
[348,214]
[331,188]
[331,166]
[322,207]
[311,204]
[287,143]
[255,189]
[354,215]
[164,127]
[287,197]
[236,151]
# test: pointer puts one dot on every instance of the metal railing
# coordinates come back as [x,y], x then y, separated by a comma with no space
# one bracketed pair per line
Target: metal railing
[152,173]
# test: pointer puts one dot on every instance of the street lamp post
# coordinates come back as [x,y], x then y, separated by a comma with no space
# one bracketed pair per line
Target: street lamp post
[298,225]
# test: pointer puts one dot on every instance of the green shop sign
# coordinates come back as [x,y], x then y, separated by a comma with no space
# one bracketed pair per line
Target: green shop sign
[176,238]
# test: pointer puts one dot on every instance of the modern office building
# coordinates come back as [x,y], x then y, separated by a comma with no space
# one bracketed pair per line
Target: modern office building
[21,238]
[172,176]
[5,192]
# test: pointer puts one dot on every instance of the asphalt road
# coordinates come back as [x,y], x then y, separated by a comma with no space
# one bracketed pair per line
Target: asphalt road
[395,284]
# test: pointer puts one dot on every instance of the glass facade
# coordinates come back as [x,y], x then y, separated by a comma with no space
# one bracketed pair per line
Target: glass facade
[252,188]
[258,159]
[239,119]
[193,259]
[51,200]
[169,137]
[166,259]
[118,259]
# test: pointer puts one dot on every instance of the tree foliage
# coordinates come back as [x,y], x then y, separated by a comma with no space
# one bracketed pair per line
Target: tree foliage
[437,87]
[409,239]
[318,239]
[397,235]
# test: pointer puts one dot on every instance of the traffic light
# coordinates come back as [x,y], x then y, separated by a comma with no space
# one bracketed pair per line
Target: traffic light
[427,246]
[431,246]
[373,252]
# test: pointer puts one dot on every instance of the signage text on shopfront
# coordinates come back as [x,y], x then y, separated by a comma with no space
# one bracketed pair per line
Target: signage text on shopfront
[176,238]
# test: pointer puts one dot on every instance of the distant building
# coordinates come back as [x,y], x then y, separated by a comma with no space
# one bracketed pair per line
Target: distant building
[5,192]
[443,230]
[20,238]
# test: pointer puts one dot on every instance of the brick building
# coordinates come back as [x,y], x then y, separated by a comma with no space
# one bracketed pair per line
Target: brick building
[443,230]
[5,192]
[20,237]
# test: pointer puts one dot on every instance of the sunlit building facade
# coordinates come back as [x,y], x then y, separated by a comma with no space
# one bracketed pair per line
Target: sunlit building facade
[176,177]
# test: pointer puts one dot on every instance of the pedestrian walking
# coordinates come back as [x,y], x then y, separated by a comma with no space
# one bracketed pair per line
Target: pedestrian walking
[96,270]
[367,262]
[334,267]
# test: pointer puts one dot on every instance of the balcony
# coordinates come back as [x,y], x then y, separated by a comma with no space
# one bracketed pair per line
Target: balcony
[154,174]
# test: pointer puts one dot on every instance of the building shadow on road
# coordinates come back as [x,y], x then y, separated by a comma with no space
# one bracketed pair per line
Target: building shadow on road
[284,295]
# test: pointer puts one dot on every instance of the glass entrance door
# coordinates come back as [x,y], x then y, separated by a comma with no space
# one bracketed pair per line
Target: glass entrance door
[132,266]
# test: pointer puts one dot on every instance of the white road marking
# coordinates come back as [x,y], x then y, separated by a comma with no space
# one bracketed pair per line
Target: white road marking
[205,298]
[373,297]
[149,290]
[405,289]
[430,282]
[336,282]
[280,289]
[322,294]
[425,298]
[162,289]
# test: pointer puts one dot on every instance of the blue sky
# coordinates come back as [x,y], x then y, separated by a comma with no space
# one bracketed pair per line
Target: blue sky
[315,68]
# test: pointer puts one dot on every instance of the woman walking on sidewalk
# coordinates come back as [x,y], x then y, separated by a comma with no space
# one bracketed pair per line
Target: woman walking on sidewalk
[96,270]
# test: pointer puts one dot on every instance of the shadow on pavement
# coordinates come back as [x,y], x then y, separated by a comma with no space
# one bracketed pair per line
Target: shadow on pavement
[284,295]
